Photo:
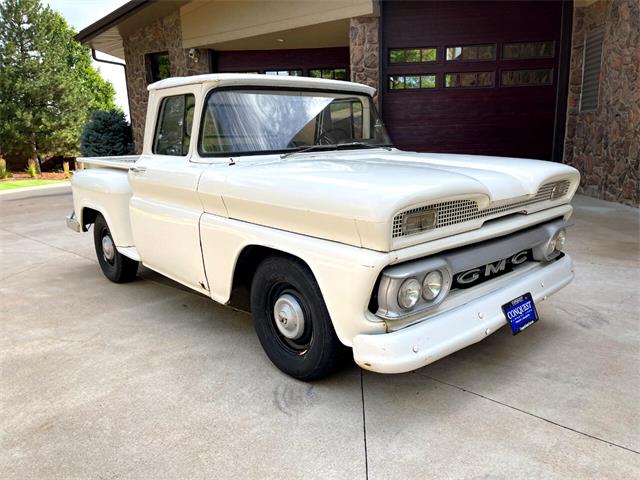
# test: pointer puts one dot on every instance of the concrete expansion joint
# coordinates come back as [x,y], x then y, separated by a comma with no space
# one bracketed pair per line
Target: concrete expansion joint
[588,435]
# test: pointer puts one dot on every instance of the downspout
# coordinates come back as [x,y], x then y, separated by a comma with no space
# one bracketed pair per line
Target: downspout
[93,55]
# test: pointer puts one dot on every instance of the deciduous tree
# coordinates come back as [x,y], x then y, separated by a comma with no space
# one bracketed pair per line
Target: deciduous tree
[48,86]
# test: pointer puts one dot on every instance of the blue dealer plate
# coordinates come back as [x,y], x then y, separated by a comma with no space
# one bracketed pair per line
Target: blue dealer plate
[520,312]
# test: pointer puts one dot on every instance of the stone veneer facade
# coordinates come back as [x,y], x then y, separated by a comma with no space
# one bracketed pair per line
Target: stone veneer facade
[364,49]
[163,35]
[604,145]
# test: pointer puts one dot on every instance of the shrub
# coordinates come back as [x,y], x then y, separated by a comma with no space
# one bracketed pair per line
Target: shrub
[106,134]
[4,172]
[32,168]
[65,169]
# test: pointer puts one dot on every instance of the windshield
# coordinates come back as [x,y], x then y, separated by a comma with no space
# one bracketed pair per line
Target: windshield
[262,121]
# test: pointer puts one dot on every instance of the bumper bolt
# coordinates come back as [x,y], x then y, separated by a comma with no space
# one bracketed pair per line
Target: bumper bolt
[415,349]
[480,315]
[542,284]
[487,331]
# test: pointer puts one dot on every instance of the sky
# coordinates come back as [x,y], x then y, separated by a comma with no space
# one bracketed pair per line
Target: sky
[82,13]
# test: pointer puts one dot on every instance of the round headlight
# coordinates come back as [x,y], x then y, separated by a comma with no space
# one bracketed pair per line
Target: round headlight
[551,247]
[409,293]
[432,285]
[561,238]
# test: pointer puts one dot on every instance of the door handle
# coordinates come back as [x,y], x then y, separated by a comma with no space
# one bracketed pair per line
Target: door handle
[138,170]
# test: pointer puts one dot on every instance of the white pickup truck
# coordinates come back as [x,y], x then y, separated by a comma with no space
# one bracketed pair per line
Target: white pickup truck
[288,188]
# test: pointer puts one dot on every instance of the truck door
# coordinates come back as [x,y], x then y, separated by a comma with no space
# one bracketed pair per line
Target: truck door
[165,208]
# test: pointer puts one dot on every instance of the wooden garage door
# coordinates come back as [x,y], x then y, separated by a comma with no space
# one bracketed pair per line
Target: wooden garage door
[472,77]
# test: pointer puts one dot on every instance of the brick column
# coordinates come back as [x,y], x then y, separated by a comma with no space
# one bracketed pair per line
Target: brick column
[604,144]
[364,47]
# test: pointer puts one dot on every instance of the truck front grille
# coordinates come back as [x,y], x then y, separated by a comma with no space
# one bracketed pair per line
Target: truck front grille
[460,211]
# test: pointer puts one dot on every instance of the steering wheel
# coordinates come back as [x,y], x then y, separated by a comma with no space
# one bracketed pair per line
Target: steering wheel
[325,138]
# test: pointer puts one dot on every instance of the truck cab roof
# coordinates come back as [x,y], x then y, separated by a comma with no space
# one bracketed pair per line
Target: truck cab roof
[257,80]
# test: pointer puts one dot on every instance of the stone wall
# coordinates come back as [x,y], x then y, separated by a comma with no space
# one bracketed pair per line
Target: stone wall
[164,35]
[605,144]
[364,48]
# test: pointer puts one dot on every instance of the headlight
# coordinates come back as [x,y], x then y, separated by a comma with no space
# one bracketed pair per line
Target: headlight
[551,247]
[432,285]
[561,238]
[409,293]
[556,244]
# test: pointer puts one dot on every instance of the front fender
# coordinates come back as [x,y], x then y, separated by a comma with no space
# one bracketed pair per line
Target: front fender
[345,274]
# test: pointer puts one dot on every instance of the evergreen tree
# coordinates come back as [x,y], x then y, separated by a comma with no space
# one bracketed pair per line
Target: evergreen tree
[48,86]
[106,134]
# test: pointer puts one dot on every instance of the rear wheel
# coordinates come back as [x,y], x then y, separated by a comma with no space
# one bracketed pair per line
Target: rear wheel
[115,266]
[292,321]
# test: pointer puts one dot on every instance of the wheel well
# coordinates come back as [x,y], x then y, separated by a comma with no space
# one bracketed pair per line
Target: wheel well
[88,217]
[246,266]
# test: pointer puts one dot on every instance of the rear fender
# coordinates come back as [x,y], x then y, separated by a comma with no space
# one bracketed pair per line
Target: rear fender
[108,192]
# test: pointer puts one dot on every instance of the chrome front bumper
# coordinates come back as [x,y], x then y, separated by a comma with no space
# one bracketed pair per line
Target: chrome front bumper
[73,223]
[420,344]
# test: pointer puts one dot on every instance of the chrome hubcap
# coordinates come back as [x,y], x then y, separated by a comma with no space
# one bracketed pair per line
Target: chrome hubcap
[108,249]
[289,316]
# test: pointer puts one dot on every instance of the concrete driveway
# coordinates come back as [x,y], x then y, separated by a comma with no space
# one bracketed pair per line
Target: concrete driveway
[150,381]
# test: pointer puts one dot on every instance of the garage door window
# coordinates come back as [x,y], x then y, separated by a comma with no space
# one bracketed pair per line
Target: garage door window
[514,78]
[330,73]
[284,73]
[412,55]
[471,53]
[469,80]
[411,82]
[528,50]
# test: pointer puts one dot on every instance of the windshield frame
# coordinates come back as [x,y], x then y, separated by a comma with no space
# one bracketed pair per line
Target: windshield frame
[213,91]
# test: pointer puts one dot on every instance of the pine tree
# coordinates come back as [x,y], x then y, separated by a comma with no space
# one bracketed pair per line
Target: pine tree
[47,84]
[106,134]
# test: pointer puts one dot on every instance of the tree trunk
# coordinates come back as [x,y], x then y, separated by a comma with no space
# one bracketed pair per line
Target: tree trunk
[36,157]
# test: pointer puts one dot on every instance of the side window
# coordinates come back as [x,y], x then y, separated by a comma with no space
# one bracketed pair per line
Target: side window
[173,129]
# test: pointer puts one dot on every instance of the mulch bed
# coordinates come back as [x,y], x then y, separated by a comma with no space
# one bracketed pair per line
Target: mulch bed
[43,176]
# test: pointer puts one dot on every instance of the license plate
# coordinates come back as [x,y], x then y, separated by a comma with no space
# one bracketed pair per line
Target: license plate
[521,313]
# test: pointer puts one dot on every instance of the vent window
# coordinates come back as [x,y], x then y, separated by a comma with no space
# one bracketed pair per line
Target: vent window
[592,62]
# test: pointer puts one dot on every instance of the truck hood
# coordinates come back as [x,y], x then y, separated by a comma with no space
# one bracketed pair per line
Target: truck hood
[353,196]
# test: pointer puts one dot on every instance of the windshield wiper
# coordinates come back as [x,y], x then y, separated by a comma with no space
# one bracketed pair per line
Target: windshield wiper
[309,148]
[335,146]
[363,144]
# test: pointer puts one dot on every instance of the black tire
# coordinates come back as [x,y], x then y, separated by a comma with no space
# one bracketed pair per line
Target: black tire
[317,352]
[115,266]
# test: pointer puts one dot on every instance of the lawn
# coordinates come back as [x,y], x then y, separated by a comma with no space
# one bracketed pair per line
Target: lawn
[11,184]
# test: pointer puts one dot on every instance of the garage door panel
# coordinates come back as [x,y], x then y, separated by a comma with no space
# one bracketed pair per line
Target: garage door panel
[475,140]
[451,109]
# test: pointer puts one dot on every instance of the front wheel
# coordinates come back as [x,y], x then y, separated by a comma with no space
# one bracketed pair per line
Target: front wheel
[292,321]
[115,266]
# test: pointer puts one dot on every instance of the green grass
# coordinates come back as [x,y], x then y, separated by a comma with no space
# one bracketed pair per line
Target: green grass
[11,184]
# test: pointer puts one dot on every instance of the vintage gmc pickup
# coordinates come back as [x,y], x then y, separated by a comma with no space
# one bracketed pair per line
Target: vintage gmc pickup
[288,188]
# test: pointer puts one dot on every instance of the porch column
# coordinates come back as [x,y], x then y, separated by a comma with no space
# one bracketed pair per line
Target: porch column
[364,47]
